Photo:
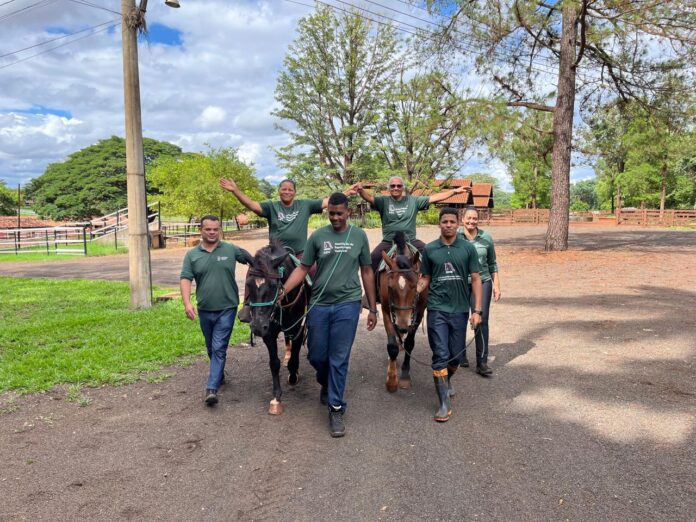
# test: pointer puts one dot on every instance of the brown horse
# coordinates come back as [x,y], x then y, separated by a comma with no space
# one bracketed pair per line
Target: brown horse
[402,308]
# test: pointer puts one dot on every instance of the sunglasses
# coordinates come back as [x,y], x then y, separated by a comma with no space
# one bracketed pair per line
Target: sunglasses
[395,186]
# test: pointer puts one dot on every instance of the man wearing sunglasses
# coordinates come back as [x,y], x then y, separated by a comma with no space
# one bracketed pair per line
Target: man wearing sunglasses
[398,212]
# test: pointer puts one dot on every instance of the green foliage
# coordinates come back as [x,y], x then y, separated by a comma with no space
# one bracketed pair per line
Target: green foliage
[8,200]
[189,185]
[583,195]
[92,181]
[334,78]
[268,190]
[85,334]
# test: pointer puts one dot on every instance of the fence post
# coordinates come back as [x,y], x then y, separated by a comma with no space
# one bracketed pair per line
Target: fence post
[48,253]
[645,217]
[84,239]
[118,224]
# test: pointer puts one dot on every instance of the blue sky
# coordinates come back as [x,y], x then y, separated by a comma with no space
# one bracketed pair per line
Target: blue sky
[207,70]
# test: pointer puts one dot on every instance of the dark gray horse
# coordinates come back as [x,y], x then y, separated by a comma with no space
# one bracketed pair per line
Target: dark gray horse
[271,268]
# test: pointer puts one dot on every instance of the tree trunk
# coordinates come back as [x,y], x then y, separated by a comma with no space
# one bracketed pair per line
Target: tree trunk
[663,191]
[557,232]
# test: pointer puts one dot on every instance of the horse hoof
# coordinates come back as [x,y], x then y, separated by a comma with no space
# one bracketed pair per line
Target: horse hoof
[443,419]
[405,384]
[293,379]
[391,387]
[275,408]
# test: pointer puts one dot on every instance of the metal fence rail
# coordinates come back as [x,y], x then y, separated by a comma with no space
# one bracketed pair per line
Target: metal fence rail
[53,240]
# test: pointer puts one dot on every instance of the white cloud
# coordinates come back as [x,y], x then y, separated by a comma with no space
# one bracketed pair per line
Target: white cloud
[211,117]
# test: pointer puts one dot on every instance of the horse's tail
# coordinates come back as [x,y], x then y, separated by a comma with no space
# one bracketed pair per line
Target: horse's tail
[400,242]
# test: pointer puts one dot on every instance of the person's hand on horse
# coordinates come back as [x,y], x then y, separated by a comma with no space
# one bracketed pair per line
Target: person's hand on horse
[190,311]
[475,321]
[228,184]
[371,321]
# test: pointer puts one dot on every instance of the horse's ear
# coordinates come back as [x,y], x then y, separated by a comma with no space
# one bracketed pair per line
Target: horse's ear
[388,260]
[416,258]
[277,261]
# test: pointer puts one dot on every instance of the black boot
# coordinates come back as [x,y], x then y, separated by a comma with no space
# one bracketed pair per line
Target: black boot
[337,427]
[451,369]
[444,412]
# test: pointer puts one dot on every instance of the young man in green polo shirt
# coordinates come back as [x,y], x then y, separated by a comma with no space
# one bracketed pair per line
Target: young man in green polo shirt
[447,264]
[340,251]
[211,264]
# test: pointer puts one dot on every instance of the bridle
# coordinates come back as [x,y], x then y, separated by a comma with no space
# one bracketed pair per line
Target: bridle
[277,305]
[393,307]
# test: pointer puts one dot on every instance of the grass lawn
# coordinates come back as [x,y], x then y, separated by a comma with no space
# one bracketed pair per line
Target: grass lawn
[82,332]
[39,253]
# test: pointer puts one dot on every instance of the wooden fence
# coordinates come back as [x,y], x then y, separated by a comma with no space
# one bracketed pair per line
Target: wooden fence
[631,217]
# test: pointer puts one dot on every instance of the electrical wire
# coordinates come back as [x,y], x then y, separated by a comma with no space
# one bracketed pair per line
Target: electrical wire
[42,3]
[56,39]
[84,2]
[61,45]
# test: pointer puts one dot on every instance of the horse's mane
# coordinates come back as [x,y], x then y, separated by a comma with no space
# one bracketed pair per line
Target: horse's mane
[263,260]
[403,254]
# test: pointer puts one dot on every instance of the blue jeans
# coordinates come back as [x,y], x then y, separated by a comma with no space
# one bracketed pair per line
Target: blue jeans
[330,339]
[446,336]
[482,332]
[217,329]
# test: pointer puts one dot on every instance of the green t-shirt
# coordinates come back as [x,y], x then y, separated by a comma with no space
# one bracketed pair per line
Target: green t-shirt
[400,215]
[483,242]
[449,267]
[216,287]
[347,251]
[289,224]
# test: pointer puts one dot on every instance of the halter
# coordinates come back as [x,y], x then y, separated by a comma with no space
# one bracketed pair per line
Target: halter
[266,275]
[393,307]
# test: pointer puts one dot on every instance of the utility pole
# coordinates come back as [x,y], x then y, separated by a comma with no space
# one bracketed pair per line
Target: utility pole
[139,270]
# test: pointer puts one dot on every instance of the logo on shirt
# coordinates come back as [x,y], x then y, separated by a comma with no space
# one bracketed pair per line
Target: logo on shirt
[398,211]
[449,268]
[328,247]
[287,218]
[222,258]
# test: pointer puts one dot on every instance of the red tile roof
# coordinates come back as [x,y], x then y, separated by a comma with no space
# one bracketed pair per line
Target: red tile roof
[26,222]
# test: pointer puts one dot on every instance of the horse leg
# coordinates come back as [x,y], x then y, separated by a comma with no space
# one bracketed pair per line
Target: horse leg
[288,352]
[393,351]
[405,377]
[294,358]
[271,341]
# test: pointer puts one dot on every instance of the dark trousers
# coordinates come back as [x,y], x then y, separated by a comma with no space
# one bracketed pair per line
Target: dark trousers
[481,333]
[329,342]
[384,246]
[446,337]
[217,329]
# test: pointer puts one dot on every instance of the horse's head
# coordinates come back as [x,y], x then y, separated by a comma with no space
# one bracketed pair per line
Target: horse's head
[263,282]
[398,289]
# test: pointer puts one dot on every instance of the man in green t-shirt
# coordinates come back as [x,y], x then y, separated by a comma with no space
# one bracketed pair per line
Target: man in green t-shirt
[211,264]
[340,251]
[448,262]
[287,219]
[398,212]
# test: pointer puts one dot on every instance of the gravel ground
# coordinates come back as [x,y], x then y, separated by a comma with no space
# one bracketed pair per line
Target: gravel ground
[590,414]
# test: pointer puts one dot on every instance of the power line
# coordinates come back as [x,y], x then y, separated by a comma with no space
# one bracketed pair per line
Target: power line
[56,39]
[428,34]
[84,2]
[42,3]
[8,2]
[61,45]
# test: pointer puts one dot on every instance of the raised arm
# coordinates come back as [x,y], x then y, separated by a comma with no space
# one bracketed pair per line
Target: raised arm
[350,191]
[448,193]
[231,186]
[363,193]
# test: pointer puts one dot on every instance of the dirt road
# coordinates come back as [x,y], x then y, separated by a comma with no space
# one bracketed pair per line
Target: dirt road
[590,414]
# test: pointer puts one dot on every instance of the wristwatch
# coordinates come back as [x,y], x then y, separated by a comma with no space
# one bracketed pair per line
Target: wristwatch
[373,311]
[480,312]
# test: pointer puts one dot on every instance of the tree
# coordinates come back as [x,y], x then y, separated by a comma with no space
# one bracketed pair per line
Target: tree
[583,195]
[8,200]
[332,86]
[189,185]
[266,189]
[425,128]
[90,182]
[613,42]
